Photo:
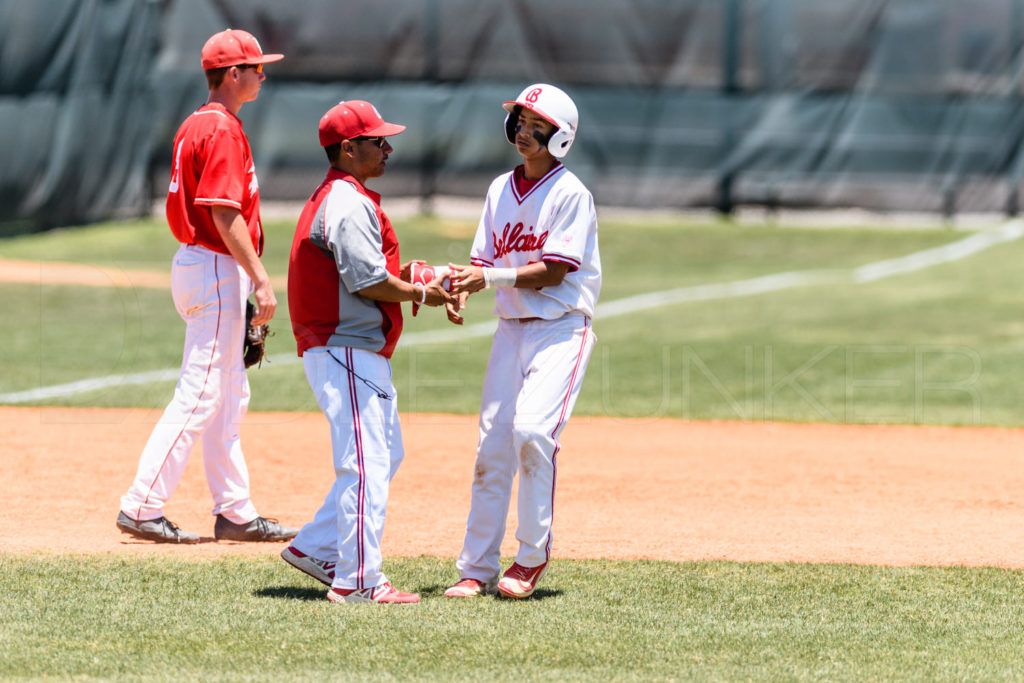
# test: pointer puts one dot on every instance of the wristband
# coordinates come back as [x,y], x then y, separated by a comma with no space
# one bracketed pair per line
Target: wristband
[499,277]
[423,292]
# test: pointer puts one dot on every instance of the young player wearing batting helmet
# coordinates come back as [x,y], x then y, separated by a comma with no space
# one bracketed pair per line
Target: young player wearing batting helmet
[213,208]
[536,244]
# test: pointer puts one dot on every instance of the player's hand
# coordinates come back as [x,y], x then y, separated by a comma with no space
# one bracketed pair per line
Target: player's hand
[466,279]
[452,309]
[437,295]
[266,304]
[406,272]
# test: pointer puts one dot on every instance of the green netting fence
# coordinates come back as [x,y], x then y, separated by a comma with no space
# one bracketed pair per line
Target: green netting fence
[880,104]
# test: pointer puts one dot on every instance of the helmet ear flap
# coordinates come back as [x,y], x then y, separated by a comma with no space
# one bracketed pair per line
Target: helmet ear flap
[511,121]
[560,142]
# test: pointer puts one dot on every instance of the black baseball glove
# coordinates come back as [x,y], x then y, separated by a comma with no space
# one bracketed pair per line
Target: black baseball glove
[254,346]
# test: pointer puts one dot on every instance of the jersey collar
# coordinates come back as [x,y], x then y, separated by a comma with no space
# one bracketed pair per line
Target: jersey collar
[220,108]
[522,187]
[335,174]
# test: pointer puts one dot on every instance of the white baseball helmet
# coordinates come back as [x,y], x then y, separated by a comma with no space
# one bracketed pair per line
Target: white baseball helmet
[551,104]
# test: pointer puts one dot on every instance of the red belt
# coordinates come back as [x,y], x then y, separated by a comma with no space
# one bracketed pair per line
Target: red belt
[525,320]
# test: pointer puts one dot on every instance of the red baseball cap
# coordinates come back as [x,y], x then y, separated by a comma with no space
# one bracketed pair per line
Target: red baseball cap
[233,47]
[354,119]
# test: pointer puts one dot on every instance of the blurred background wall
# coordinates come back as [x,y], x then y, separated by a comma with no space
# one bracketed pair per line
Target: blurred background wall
[880,104]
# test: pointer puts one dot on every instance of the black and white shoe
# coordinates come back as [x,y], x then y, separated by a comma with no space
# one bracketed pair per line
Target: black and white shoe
[258,530]
[161,530]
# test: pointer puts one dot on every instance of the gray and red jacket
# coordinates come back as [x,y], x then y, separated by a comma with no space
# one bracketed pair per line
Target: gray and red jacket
[343,243]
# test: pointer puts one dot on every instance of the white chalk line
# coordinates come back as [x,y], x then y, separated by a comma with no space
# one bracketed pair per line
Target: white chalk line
[872,272]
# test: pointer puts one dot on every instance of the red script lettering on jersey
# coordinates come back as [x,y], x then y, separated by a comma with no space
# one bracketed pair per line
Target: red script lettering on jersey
[513,239]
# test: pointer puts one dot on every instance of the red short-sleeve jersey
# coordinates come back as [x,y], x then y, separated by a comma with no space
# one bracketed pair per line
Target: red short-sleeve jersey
[212,166]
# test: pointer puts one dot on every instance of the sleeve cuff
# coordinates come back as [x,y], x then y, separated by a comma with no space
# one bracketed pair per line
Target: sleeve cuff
[573,264]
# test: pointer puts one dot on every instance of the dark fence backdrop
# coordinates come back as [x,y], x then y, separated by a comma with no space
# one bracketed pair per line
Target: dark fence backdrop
[880,104]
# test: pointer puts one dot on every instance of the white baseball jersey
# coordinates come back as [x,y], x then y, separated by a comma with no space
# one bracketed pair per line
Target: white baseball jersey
[539,356]
[554,220]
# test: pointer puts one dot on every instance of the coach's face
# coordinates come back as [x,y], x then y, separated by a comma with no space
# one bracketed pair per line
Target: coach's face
[370,156]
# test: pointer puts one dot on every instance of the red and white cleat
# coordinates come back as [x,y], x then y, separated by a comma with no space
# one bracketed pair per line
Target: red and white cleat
[321,570]
[519,581]
[469,588]
[384,593]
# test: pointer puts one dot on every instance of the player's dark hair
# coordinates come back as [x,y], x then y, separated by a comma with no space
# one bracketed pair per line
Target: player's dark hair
[511,121]
[214,77]
[333,152]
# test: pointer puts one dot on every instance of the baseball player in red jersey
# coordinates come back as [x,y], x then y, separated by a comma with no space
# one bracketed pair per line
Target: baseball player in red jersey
[537,246]
[213,210]
[345,288]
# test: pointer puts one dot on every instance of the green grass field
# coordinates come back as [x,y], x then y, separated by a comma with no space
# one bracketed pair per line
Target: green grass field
[256,619]
[938,346]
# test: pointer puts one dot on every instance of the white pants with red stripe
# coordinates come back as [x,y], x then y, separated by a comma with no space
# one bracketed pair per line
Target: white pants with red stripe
[212,394]
[533,378]
[360,403]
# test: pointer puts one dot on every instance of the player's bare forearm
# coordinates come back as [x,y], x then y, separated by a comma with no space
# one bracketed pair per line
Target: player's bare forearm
[395,289]
[471,279]
[543,274]
[235,233]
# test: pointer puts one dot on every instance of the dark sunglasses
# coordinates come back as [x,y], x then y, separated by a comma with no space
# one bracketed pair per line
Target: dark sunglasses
[377,142]
[258,67]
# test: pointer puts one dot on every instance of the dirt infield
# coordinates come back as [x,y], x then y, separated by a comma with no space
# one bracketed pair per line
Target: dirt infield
[61,273]
[662,489]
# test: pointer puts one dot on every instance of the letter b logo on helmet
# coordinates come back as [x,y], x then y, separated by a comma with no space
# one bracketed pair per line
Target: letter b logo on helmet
[554,106]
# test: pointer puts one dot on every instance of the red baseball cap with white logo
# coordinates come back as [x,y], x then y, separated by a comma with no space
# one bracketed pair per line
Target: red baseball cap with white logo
[354,119]
[232,48]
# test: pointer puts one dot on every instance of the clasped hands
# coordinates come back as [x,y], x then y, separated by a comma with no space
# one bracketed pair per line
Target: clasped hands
[463,281]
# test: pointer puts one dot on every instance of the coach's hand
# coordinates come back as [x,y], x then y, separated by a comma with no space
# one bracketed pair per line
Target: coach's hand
[436,294]
[405,273]
[452,308]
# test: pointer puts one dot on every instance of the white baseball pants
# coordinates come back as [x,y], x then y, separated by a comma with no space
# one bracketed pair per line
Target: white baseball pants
[212,394]
[354,389]
[533,379]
